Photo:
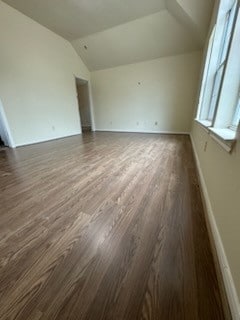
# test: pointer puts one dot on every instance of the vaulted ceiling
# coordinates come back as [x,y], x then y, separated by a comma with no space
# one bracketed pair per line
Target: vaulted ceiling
[74,19]
[108,33]
[143,39]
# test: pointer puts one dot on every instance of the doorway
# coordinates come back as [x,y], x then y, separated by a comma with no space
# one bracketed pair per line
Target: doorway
[5,135]
[84,104]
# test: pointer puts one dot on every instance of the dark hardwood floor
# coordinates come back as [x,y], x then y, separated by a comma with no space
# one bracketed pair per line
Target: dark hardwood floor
[105,226]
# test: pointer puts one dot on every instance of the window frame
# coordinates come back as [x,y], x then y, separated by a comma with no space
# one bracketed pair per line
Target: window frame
[222,58]
[225,44]
[218,77]
[204,84]
[236,117]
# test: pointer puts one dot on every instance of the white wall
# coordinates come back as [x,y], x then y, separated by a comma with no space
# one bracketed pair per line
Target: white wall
[37,84]
[221,172]
[194,15]
[200,13]
[166,95]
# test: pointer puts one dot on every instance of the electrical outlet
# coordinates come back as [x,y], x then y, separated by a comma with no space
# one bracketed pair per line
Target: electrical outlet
[156,123]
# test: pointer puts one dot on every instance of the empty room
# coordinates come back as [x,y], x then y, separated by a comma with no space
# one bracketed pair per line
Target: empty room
[119,160]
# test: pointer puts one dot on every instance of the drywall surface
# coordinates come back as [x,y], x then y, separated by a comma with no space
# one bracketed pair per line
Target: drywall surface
[221,172]
[78,18]
[157,95]
[136,41]
[37,84]
[84,105]
[200,14]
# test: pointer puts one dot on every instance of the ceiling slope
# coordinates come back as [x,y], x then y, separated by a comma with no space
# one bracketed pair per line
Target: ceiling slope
[109,33]
[194,14]
[73,19]
[147,38]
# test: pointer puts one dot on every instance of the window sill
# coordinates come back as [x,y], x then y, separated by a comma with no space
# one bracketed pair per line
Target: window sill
[225,137]
[204,123]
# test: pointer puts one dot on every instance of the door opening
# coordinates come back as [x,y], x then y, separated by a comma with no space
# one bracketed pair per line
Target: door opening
[84,104]
[5,135]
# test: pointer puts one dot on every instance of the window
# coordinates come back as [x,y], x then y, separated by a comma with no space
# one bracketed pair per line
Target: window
[236,117]
[204,86]
[222,59]
[219,100]
[216,88]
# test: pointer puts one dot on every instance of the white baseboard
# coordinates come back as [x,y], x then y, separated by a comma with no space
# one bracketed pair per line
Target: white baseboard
[98,130]
[141,131]
[48,140]
[224,265]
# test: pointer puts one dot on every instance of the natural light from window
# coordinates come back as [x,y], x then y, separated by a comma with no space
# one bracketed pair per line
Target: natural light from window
[219,102]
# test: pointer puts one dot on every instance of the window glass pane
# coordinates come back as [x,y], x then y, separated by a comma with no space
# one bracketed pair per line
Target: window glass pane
[225,39]
[206,75]
[215,91]
[226,36]
[216,59]
[237,114]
